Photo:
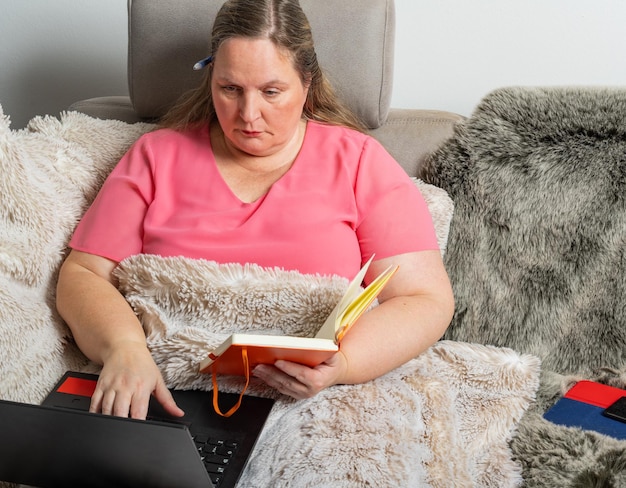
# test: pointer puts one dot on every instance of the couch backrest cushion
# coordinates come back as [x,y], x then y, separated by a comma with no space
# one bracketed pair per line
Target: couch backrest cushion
[354,41]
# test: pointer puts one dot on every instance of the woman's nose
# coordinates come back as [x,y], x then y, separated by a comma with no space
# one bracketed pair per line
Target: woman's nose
[249,107]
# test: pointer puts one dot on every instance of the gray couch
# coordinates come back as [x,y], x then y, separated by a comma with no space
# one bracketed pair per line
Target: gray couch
[535,260]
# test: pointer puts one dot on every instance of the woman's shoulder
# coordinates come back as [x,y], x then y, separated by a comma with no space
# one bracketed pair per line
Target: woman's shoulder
[343,138]
[164,135]
[321,129]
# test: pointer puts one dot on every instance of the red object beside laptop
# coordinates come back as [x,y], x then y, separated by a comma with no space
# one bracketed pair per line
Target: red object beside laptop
[592,406]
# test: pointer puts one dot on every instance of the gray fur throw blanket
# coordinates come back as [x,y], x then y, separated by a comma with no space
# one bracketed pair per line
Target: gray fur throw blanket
[537,255]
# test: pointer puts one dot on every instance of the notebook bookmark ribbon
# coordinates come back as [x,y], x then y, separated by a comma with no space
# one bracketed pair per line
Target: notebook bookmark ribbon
[216,407]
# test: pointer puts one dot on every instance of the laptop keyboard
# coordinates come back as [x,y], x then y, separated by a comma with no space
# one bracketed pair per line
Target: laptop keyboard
[216,455]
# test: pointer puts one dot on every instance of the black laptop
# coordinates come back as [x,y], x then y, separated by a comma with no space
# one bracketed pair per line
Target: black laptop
[61,444]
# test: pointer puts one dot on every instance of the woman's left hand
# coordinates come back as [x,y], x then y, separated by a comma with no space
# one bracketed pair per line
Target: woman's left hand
[414,311]
[299,381]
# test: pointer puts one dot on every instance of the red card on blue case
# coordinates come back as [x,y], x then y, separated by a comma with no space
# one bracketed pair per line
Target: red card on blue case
[582,407]
[595,393]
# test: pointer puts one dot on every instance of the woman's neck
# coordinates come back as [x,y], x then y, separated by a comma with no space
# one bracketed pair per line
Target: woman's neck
[248,176]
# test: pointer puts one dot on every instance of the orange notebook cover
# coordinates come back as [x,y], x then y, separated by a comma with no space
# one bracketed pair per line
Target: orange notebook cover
[227,358]
[263,349]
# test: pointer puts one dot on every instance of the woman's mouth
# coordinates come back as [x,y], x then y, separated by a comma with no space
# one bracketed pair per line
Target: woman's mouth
[251,133]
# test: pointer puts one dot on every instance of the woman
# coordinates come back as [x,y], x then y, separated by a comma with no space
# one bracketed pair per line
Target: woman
[260,164]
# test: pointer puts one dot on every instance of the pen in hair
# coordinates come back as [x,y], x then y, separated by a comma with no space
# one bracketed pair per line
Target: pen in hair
[202,63]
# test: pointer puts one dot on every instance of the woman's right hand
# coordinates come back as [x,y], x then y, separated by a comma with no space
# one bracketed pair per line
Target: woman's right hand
[107,330]
[127,380]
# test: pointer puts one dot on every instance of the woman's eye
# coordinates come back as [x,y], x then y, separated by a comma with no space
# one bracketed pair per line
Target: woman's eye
[233,90]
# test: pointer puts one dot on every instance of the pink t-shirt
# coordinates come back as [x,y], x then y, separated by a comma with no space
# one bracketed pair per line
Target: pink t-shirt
[343,199]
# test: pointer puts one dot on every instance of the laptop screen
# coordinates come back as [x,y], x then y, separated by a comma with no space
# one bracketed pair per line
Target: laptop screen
[44,446]
[61,444]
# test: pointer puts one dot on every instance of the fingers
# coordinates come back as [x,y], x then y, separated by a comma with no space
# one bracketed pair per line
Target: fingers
[96,402]
[164,397]
[123,399]
[138,406]
[291,379]
[299,381]
[119,400]
[280,381]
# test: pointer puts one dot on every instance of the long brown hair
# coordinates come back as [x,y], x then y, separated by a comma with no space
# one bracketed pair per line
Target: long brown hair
[284,23]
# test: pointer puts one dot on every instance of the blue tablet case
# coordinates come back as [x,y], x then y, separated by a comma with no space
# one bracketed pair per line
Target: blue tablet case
[582,407]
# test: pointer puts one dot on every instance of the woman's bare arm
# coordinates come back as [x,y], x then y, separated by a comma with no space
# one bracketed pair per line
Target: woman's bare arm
[415,309]
[108,332]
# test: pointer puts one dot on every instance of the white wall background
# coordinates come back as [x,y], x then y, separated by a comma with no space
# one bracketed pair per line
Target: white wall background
[449,53]
[53,52]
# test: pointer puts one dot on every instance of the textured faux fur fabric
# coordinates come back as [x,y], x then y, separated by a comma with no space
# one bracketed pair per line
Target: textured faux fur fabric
[431,407]
[424,424]
[51,171]
[537,255]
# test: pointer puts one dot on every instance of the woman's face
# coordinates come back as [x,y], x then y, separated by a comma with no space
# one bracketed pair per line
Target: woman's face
[258,95]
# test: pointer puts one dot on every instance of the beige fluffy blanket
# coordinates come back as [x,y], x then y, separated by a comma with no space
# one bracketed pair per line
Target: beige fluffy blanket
[443,416]
[443,419]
